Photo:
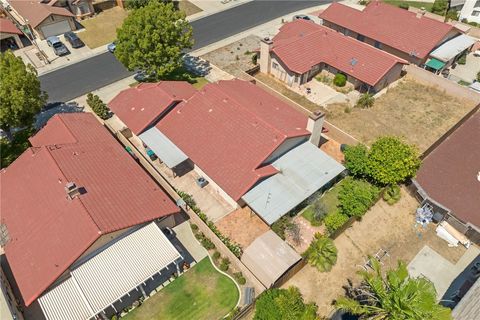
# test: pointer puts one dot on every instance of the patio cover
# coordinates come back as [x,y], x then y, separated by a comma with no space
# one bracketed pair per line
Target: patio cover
[109,275]
[452,48]
[269,257]
[302,171]
[165,149]
[435,64]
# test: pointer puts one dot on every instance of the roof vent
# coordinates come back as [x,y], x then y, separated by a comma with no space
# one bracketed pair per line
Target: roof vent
[72,190]
[353,62]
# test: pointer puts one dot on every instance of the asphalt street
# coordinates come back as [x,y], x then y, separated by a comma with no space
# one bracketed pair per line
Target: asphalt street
[80,78]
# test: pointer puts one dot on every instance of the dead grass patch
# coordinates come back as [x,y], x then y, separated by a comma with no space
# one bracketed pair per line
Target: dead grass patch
[102,29]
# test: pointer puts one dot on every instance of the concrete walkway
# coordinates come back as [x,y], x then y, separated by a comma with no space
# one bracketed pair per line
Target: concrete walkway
[184,233]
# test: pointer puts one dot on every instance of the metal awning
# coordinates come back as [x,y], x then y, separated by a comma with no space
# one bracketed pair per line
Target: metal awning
[302,171]
[269,257]
[109,275]
[165,149]
[452,48]
[435,64]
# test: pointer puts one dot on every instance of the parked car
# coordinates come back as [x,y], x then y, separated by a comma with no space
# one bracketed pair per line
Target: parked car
[111,47]
[57,46]
[301,16]
[142,76]
[73,39]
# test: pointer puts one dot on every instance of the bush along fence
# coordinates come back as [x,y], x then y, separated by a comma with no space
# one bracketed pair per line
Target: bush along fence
[231,245]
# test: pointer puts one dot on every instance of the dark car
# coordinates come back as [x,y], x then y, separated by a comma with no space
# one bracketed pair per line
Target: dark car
[73,39]
[57,45]
[142,76]
[301,16]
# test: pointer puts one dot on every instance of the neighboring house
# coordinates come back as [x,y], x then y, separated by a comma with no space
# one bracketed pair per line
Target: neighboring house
[449,52]
[80,215]
[9,33]
[449,178]
[302,49]
[239,138]
[408,35]
[42,19]
[80,8]
[469,9]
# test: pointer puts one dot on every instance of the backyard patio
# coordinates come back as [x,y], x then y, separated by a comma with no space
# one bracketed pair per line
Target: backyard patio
[384,227]
[201,293]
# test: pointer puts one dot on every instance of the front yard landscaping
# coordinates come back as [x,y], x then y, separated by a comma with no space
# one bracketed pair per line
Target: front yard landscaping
[102,29]
[201,293]
[419,113]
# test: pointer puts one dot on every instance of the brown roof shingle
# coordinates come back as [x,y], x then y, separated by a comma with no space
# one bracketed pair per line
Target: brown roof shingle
[36,12]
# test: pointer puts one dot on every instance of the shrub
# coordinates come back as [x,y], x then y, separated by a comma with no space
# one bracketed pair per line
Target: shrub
[356,160]
[206,243]
[340,80]
[254,59]
[194,227]
[98,106]
[404,6]
[285,304]
[216,255]
[321,253]
[452,14]
[440,7]
[335,220]
[319,212]
[238,276]
[365,101]
[392,194]
[281,225]
[356,197]
[462,59]
[114,317]
[224,265]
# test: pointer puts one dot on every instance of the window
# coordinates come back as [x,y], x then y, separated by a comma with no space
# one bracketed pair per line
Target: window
[360,37]
[377,45]
[475,13]
[477,4]
[52,18]
[275,65]
[296,79]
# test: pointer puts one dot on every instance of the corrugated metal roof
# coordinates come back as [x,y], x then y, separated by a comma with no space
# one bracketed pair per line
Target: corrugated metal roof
[110,275]
[170,154]
[469,307]
[269,257]
[302,171]
[453,47]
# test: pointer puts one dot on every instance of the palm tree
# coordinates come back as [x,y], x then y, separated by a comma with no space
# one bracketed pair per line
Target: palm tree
[321,253]
[365,101]
[395,296]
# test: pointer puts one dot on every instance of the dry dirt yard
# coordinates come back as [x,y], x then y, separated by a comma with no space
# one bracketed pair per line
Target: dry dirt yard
[419,113]
[235,57]
[388,227]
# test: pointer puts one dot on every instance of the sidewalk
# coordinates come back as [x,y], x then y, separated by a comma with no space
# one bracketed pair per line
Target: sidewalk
[210,7]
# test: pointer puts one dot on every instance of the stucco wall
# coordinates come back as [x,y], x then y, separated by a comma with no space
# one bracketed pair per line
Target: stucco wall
[391,76]
[281,72]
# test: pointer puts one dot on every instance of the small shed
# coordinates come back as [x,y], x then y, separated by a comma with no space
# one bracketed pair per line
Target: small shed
[270,258]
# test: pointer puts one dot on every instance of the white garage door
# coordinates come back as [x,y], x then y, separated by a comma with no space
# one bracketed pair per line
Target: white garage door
[55,29]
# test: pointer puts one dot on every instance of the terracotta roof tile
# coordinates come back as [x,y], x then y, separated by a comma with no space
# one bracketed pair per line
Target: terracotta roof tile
[47,231]
[390,25]
[7,26]
[301,44]
[36,12]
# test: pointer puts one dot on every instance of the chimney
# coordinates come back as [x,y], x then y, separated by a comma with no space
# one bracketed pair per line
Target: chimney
[315,125]
[265,59]
[72,190]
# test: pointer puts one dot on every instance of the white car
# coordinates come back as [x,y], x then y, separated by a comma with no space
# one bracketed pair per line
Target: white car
[476,53]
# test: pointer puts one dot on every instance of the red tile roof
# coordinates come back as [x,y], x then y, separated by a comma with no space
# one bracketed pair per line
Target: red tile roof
[138,107]
[301,44]
[449,174]
[7,26]
[390,25]
[47,231]
[229,128]
[36,12]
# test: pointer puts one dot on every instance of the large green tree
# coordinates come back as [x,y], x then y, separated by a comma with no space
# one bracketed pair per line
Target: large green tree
[395,296]
[20,95]
[356,197]
[356,160]
[321,253]
[152,39]
[285,304]
[391,161]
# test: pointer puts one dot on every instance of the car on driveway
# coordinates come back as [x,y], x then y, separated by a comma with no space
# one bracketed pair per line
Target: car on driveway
[57,46]
[111,47]
[73,39]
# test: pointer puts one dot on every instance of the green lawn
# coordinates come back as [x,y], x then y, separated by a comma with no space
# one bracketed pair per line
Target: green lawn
[426,5]
[329,199]
[10,151]
[201,293]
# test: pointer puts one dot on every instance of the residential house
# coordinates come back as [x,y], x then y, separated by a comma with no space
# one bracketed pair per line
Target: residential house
[41,19]
[9,34]
[449,178]
[469,9]
[302,49]
[80,8]
[408,35]
[81,222]
[253,148]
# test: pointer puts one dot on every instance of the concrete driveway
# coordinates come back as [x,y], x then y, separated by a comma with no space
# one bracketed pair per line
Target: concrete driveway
[467,72]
